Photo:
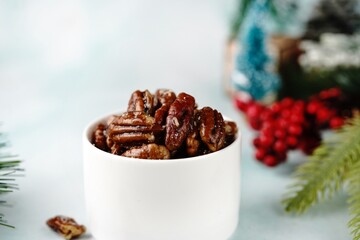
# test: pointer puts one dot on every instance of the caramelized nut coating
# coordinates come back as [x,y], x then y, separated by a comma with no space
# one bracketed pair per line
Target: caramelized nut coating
[165,98]
[230,128]
[66,226]
[163,126]
[99,137]
[230,132]
[133,128]
[148,151]
[193,144]
[193,140]
[143,102]
[212,128]
[179,120]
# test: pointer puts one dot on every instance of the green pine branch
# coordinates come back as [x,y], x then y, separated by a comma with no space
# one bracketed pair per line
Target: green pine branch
[354,200]
[331,165]
[8,166]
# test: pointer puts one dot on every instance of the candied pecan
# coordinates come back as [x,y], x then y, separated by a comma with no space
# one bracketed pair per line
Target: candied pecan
[165,96]
[161,114]
[192,143]
[133,128]
[179,120]
[99,137]
[142,101]
[148,151]
[66,226]
[230,132]
[193,140]
[230,128]
[212,131]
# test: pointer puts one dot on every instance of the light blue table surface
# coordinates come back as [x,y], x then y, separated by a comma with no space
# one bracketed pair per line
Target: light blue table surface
[65,63]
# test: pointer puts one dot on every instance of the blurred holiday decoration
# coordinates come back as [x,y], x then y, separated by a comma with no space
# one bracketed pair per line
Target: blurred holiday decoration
[312,75]
[251,70]
[9,165]
[290,87]
[274,53]
[251,73]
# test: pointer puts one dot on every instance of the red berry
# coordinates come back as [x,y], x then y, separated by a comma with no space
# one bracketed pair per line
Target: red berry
[269,124]
[323,115]
[297,118]
[336,122]
[324,95]
[334,92]
[286,102]
[291,141]
[266,115]
[282,123]
[295,129]
[255,123]
[260,154]
[280,146]
[286,113]
[267,131]
[253,111]
[313,107]
[299,106]
[276,107]
[266,141]
[270,161]
[240,104]
[256,142]
[280,133]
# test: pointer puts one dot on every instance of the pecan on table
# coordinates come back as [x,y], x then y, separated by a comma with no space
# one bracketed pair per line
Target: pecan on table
[66,226]
[179,120]
[148,151]
[143,102]
[212,131]
[133,128]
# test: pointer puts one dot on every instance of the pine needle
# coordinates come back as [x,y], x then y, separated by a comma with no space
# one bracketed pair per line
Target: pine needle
[354,200]
[326,171]
[8,166]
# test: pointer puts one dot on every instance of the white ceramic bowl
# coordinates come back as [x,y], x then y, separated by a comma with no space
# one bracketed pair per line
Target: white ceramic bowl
[194,198]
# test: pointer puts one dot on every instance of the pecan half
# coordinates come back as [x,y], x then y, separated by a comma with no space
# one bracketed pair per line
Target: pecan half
[230,132]
[99,137]
[165,98]
[142,101]
[212,131]
[193,140]
[148,151]
[192,144]
[179,120]
[133,128]
[66,226]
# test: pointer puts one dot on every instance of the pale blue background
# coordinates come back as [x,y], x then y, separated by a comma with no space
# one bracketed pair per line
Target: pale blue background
[63,63]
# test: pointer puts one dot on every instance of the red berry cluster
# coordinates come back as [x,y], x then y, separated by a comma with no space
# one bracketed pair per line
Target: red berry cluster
[293,124]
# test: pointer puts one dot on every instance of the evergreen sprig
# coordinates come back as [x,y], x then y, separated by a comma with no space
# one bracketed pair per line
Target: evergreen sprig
[8,166]
[354,200]
[335,162]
